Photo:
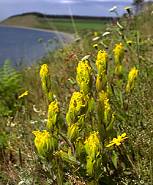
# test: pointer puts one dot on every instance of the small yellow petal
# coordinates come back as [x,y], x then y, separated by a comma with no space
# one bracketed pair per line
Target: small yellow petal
[23,94]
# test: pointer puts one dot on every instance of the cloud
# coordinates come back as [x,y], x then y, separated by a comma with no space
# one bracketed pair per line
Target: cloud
[67,1]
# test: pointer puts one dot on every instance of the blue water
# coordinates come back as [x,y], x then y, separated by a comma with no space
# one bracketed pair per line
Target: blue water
[26,46]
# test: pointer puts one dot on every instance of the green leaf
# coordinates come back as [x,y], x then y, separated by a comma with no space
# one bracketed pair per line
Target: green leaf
[91,105]
[114,159]
[89,166]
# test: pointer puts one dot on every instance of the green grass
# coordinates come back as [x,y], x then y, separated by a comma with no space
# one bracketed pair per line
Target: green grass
[68,25]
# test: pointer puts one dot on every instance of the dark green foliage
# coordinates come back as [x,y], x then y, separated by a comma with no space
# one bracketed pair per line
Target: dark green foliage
[3,140]
[10,84]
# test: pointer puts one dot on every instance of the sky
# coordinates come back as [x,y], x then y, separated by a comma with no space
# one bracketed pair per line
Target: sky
[62,7]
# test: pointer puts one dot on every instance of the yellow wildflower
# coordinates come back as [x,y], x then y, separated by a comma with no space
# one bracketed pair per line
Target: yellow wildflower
[43,71]
[102,57]
[103,99]
[132,74]
[118,53]
[43,142]
[45,81]
[78,104]
[43,76]
[53,111]
[131,77]
[101,63]
[92,144]
[77,101]
[23,94]
[84,76]
[117,141]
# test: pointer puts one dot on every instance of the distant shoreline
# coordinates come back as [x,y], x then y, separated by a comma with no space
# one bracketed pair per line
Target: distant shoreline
[68,36]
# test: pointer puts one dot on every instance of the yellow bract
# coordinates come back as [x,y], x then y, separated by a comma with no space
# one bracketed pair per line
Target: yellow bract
[132,74]
[102,55]
[101,62]
[42,141]
[118,53]
[92,145]
[131,77]
[84,76]
[117,141]
[77,101]
[45,81]
[53,110]
[23,94]
[77,106]
[103,99]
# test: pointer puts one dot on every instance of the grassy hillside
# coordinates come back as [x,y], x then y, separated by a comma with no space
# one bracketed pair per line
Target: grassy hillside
[65,24]
[103,136]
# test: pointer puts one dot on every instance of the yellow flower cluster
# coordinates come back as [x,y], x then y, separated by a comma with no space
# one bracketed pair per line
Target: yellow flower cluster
[118,53]
[77,106]
[101,62]
[78,101]
[43,76]
[23,94]
[53,111]
[45,81]
[92,145]
[117,141]
[131,78]
[132,74]
[83,77]
[44,71]
[43,142]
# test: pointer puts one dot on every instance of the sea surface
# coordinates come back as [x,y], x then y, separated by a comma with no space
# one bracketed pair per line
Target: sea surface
[24,46]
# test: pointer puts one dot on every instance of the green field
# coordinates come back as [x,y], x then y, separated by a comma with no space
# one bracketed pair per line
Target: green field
[68,25]
[58,24]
